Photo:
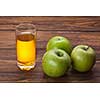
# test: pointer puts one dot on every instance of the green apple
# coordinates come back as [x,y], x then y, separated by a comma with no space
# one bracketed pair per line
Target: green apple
[55,62]
[83,58]
[60,43]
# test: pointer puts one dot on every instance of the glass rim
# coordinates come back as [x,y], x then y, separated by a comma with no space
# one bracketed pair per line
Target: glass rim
[27,25]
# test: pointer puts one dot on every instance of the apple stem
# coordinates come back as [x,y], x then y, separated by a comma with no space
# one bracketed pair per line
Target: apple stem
[59,54]
[86,48]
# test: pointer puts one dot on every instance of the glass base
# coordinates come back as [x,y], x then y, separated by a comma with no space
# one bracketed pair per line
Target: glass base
[24,67]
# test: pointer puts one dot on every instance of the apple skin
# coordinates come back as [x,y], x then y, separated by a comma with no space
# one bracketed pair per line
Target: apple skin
[55,62]
[83,58]
[60,43]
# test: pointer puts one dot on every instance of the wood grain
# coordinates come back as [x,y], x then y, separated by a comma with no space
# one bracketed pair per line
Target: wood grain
[53,23]
[79,30]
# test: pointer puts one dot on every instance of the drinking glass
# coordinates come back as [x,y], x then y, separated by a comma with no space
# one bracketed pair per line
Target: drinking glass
[26,46]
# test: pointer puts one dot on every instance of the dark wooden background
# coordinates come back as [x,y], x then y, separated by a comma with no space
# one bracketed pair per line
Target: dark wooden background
[80,30]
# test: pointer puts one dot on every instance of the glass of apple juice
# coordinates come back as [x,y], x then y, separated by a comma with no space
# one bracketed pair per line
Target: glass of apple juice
[26,46]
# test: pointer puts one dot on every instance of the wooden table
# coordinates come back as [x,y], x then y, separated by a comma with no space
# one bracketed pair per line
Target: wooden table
[80,30]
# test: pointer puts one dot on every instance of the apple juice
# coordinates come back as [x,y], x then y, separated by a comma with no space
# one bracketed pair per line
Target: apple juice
[26,51]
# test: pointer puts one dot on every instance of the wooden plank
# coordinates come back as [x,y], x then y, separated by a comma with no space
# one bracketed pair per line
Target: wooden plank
[7,42]
[37,75]
[7,39]
[19,19]
[53,23]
